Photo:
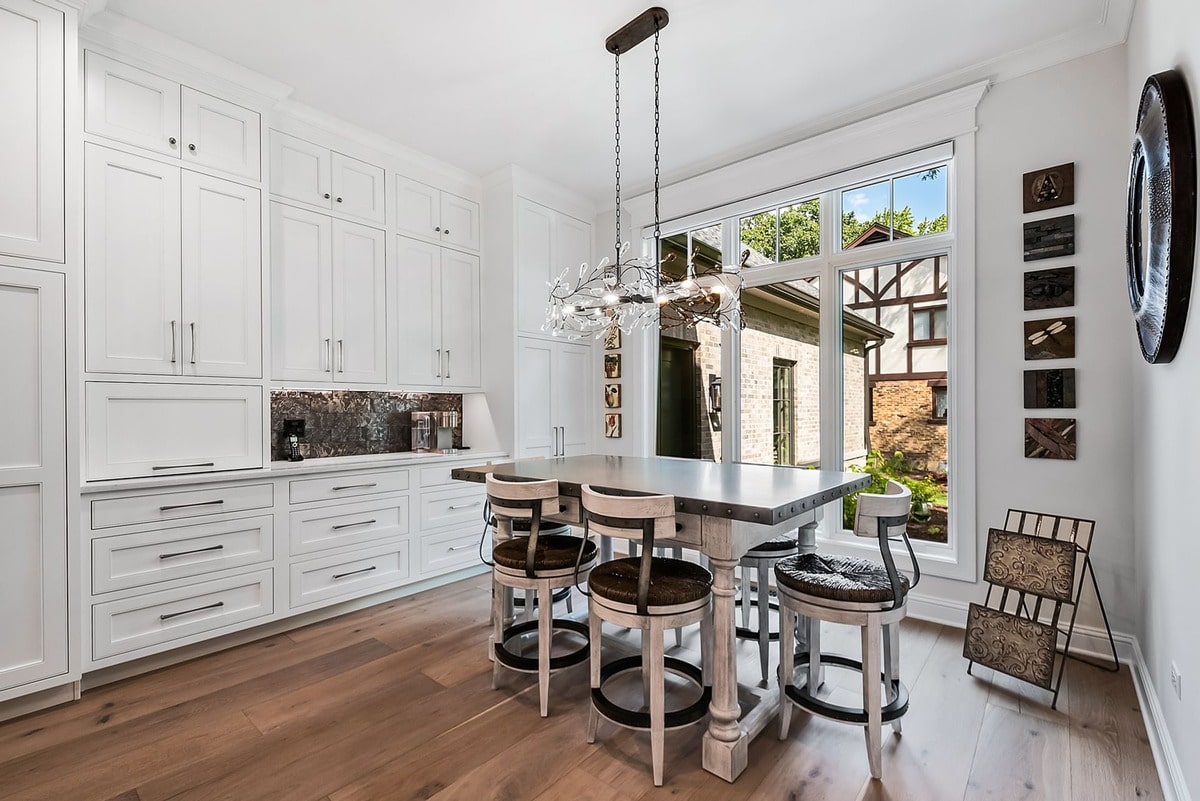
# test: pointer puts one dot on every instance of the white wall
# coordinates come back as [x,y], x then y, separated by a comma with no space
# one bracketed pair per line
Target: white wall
[1166,35]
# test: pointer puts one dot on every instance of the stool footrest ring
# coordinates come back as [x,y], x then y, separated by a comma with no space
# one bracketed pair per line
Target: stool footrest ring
[529,664]
[751,634]
[801,697]
[634,719]
[560,594]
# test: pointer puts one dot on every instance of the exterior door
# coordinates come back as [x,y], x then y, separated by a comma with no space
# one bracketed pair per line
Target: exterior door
[300,170]
[419,311]
[33,471]
[535,231]
[131,105]
[132,255]
[359,304]
[572,392]
[535,384]
[222,278]
[677,424]
[460,319]
[301,281]
[219,134]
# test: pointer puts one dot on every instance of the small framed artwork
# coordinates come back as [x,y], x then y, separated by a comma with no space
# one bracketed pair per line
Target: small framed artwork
[1050,389]
[1048,188]
[1050,438]
[612,338]
[612,365]
[1047,239]
[1049,289]
[612,425]
[1052,338]
[612,396]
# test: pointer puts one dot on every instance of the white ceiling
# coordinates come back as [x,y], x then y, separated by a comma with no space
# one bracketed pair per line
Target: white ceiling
[480,84]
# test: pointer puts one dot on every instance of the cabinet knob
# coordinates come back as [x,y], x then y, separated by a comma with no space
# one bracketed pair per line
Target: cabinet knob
[339,200]
[446,232]
[438,229]
[172,140]
[192,148]
[327,196]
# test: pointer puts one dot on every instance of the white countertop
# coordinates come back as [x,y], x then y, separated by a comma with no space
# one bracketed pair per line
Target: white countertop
[328,464]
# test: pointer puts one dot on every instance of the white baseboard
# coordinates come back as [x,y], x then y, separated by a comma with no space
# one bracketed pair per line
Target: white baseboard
[1166,760]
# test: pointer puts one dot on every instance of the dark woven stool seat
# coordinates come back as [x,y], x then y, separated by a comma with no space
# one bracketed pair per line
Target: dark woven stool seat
[837,578]
[672,581]
[784,542]
[552,552]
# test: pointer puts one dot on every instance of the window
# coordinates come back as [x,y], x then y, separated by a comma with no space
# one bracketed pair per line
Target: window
[783,401]
[898,208]
[929,325]
[782,234]
[941,400]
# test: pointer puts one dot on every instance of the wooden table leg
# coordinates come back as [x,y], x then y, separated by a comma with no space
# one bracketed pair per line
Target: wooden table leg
[725,744]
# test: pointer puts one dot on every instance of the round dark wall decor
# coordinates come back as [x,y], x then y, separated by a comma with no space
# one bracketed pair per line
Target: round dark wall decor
[1160,234]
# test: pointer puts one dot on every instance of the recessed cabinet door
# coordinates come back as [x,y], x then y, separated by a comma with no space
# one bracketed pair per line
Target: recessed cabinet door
[460,221]
[535,227]
[132,264]
[358,188]
[222,278]
[536,435]
[359,304]
[418,208]
[572,244]
[31,135]
[419,322]
[33,494]
[131,105]
[301,280]
[573,398]
[460,319]
[220,134]
[300,170]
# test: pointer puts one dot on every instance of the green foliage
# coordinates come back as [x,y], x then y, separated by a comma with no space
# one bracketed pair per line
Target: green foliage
[799,232]
[881,470]
[852,227]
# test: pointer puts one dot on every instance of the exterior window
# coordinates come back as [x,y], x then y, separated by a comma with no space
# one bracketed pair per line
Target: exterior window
[941,405]
[898,208]
[782,234]
[783,391]
[929,325]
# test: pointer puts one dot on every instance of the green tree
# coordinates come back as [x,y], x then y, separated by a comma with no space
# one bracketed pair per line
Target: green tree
[799,230]
[905,221]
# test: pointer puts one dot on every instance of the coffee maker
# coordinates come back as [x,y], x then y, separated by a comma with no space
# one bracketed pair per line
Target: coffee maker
[433,432]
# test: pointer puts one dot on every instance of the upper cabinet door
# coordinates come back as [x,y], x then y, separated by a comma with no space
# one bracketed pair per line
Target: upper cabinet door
[572,244]
[358,188]
[460,221]
[535,235]
[359,304]
[31,136]
[301,279]
[300,170]
[460,319]
[132,264]
[222,278]
[419,318]
[131,105]
[418,209]
[220,134]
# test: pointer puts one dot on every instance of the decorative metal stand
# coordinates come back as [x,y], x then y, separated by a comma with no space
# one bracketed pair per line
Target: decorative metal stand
[1036,566]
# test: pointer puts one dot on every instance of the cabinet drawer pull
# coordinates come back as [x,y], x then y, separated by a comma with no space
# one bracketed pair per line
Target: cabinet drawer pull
[447,356]
[180,466]
[217,502]
[195,550]
[465,505]
[341,526]
[355,486]
[342,355]
[170,615]
[193,327]
[461,547]
[354,572]
[172,342]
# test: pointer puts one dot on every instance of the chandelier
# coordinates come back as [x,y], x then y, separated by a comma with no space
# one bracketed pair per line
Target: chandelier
[634,292]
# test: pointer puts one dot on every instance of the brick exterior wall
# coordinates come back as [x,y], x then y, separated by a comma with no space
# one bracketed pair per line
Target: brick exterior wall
[903,422]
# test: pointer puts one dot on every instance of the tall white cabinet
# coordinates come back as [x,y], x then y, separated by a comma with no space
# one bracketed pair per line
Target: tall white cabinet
[554,383]
[548,242]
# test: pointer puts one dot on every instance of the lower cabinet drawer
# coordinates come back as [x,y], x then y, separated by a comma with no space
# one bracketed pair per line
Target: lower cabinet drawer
[161,619]
[163,506]
[347,485]
[453,507]
[449,550]
[134,560]
[351,574]
[347,525]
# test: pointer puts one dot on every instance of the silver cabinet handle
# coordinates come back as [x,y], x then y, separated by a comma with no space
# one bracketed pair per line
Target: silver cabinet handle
[193,327]
[179,466]
[339,200]
[356,486]
[439,362]
[341,526]
[329,352]
[354,572]
[188,553]
[438,229]
[172,342]
[217,605]
[465,505]
[447,362]
[217,502]
[461,547]
[172,140]
[342,355]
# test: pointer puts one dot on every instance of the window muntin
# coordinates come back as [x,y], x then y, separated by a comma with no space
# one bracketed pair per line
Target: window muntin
[785,233]
[929,324]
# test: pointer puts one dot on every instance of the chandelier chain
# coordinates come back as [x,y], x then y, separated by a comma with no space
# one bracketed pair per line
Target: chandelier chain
[657,231]
[617,137]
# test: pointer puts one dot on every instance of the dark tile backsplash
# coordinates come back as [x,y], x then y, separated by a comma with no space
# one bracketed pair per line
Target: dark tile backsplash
[345,423]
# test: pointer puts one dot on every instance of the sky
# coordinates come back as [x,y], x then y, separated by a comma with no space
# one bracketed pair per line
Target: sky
[927,198]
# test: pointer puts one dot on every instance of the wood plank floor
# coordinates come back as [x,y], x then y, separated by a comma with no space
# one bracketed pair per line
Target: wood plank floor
[395,702]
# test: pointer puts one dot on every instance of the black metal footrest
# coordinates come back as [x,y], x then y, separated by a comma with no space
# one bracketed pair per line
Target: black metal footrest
[561,594]
[803,698]
[529,664]
[752,634]
[636,719]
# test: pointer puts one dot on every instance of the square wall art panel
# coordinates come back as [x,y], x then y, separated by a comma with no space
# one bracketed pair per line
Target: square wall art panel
[1050,389]
[1051,338]
[1050,289]
[1050,438]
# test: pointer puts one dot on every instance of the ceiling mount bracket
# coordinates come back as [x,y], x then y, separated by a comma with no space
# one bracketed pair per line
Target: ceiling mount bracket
[637,30]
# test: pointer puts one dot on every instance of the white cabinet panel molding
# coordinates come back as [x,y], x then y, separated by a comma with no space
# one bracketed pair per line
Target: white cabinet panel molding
[359,304]
[219,134]
[131,105]
[419,312]
[301,281]
[300,170]
[358,188]
[428,213]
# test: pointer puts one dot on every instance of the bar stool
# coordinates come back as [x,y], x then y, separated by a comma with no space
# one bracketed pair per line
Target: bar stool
[652,594]
[676,552]
[759,561]
[858,592]
[520,528]
[539,562]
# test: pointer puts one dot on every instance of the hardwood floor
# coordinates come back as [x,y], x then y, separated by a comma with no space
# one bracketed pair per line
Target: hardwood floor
[395,702]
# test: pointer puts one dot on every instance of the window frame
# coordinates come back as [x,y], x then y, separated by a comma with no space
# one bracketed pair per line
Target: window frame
[787,368]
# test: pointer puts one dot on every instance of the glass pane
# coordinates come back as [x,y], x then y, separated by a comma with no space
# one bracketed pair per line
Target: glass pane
[689,392]
[706,249]
[920,325]
[760,234]
[800,230]
[866,215]
[921,203]
[940,403]
[939,324]
[674,256]
[780,366]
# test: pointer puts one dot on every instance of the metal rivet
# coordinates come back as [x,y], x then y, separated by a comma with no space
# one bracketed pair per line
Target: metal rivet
[704,507]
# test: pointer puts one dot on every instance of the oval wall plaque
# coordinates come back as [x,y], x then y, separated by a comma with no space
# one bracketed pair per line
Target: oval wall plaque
[1160,233]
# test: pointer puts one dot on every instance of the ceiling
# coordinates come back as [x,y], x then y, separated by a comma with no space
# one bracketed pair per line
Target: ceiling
[480,84]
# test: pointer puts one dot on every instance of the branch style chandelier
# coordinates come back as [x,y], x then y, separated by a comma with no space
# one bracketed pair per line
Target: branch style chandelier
[632,292]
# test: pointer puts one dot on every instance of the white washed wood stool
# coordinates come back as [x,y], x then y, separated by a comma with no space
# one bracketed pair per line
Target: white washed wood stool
[857,592]
[541,563]
[759,562]
[652,594]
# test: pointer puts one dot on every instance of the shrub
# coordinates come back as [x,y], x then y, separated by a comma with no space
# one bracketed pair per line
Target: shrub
[895,468]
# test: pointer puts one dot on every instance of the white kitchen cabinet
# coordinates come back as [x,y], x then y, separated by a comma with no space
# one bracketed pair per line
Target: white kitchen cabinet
[554,398]
[315,175]
[31,136]
[428,213]
[173,270]
[329,295]
[170,429]
[439,313]
[33,473]
[547,243]
[148,111]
